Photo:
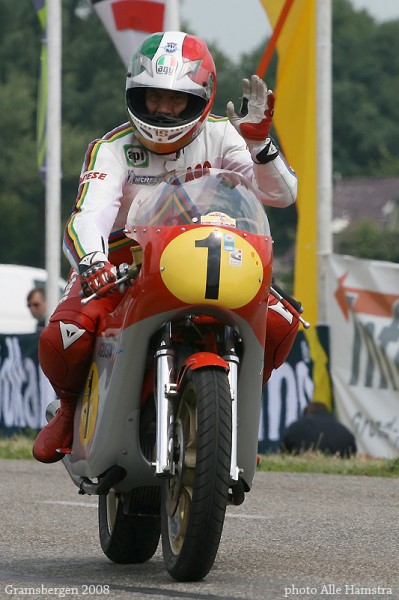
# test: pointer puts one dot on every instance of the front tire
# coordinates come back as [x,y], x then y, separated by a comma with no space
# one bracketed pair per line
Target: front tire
[194,500]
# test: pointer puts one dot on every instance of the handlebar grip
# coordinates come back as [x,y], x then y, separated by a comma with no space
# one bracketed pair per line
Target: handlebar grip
[294,303]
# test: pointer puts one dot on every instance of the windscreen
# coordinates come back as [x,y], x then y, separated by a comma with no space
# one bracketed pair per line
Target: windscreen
[206,196]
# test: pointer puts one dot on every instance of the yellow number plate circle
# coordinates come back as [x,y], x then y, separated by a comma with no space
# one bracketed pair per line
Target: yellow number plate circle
[188,264]
[88,416]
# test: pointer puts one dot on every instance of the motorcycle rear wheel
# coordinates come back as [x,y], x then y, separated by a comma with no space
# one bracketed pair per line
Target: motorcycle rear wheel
[194,500]
[124,538]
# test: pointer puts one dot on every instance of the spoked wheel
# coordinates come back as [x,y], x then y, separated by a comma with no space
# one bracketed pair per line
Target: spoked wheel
[126,538]
[194,499]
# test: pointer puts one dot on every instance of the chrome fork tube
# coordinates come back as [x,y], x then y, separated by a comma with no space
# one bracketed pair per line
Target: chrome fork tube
[165,392]
[232,359]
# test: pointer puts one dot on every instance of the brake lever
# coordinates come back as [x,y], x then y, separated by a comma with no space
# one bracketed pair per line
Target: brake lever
[125,273]
[106,289]
[290,306]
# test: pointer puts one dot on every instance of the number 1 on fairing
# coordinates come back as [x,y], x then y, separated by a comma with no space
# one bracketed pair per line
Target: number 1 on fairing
[214,244]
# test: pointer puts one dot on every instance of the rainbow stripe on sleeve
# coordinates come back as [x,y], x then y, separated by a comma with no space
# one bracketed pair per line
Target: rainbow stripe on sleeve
[71,239]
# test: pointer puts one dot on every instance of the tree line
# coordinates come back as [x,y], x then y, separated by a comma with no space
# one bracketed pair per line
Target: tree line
[365,110]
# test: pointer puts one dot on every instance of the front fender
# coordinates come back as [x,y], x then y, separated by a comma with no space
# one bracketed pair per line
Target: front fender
[200,360]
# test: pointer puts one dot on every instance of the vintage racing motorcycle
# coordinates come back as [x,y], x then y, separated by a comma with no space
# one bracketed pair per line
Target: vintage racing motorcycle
[166,429]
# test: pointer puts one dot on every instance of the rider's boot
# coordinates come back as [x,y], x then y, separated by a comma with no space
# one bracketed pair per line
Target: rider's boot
[55,440]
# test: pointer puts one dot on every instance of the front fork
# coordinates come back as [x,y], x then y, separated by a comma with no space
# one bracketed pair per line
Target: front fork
[166,392]
[233,361]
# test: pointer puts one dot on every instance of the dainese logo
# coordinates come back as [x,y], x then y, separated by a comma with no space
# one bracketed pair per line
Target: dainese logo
[87,175]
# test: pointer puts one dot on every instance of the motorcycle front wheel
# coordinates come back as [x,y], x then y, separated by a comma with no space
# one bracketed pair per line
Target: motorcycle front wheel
[194,499]
[125,538]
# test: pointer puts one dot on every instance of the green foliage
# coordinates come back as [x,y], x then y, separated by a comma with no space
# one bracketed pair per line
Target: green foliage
[365,117]
[93,83]
[365,93]
[367,240]
[21,192]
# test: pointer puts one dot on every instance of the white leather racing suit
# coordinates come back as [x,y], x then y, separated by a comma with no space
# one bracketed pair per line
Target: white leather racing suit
[116,167]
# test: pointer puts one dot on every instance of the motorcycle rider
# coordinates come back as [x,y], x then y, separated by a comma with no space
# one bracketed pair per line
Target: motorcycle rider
[170,88]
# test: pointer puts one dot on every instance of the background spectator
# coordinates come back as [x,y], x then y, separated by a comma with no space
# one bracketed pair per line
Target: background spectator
[318,429]
[36,302]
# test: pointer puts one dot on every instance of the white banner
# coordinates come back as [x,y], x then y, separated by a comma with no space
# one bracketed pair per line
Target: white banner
[363,301]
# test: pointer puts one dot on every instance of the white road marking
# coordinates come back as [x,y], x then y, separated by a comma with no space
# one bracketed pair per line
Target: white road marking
[67,503]
[92,505]
[251,517]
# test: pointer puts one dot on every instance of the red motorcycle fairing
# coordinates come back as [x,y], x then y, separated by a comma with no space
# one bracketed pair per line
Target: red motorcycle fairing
[200,360]
[156,241]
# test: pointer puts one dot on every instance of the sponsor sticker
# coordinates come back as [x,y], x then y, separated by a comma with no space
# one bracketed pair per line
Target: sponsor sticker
[235,258]
[228,241]
[166,64]
[136,156]
[108,348]
[217,218]
[171,47]
[132,178]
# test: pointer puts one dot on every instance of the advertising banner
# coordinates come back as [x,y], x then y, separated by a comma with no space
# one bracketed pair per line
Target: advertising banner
[364,360]
[24,390]
[287,392]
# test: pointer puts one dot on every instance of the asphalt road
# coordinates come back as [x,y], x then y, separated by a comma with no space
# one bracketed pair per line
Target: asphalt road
[296,536]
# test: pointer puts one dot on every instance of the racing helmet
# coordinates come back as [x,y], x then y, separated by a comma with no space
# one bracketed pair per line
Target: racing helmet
[173,61]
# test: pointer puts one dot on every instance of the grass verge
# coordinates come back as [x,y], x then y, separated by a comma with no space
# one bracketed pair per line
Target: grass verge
[316,462]
[17,446]
[20,446]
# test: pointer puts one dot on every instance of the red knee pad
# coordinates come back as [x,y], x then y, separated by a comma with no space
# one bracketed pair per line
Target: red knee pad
[66,344]
[282,327]
[65,351]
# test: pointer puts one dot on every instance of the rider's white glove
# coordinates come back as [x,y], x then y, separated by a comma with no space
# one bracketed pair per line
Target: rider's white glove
[254,119]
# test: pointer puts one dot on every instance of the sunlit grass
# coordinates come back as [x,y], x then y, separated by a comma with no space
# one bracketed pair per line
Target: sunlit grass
[316,462]
[17,446]
[20,446]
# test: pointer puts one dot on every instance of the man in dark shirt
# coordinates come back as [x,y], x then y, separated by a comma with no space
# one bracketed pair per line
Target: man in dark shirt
[36,302]
[318,430]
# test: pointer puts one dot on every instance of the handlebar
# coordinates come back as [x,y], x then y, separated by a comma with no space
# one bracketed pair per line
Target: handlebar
[292,305]
[125,273]
[107,288]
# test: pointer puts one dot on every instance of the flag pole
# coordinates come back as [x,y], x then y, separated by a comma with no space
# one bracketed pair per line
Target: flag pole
[271,46]
[53,157]
[324,150]
[172,16]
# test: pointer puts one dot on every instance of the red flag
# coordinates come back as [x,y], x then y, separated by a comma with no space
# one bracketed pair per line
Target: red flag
[140,15]
[128,22]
